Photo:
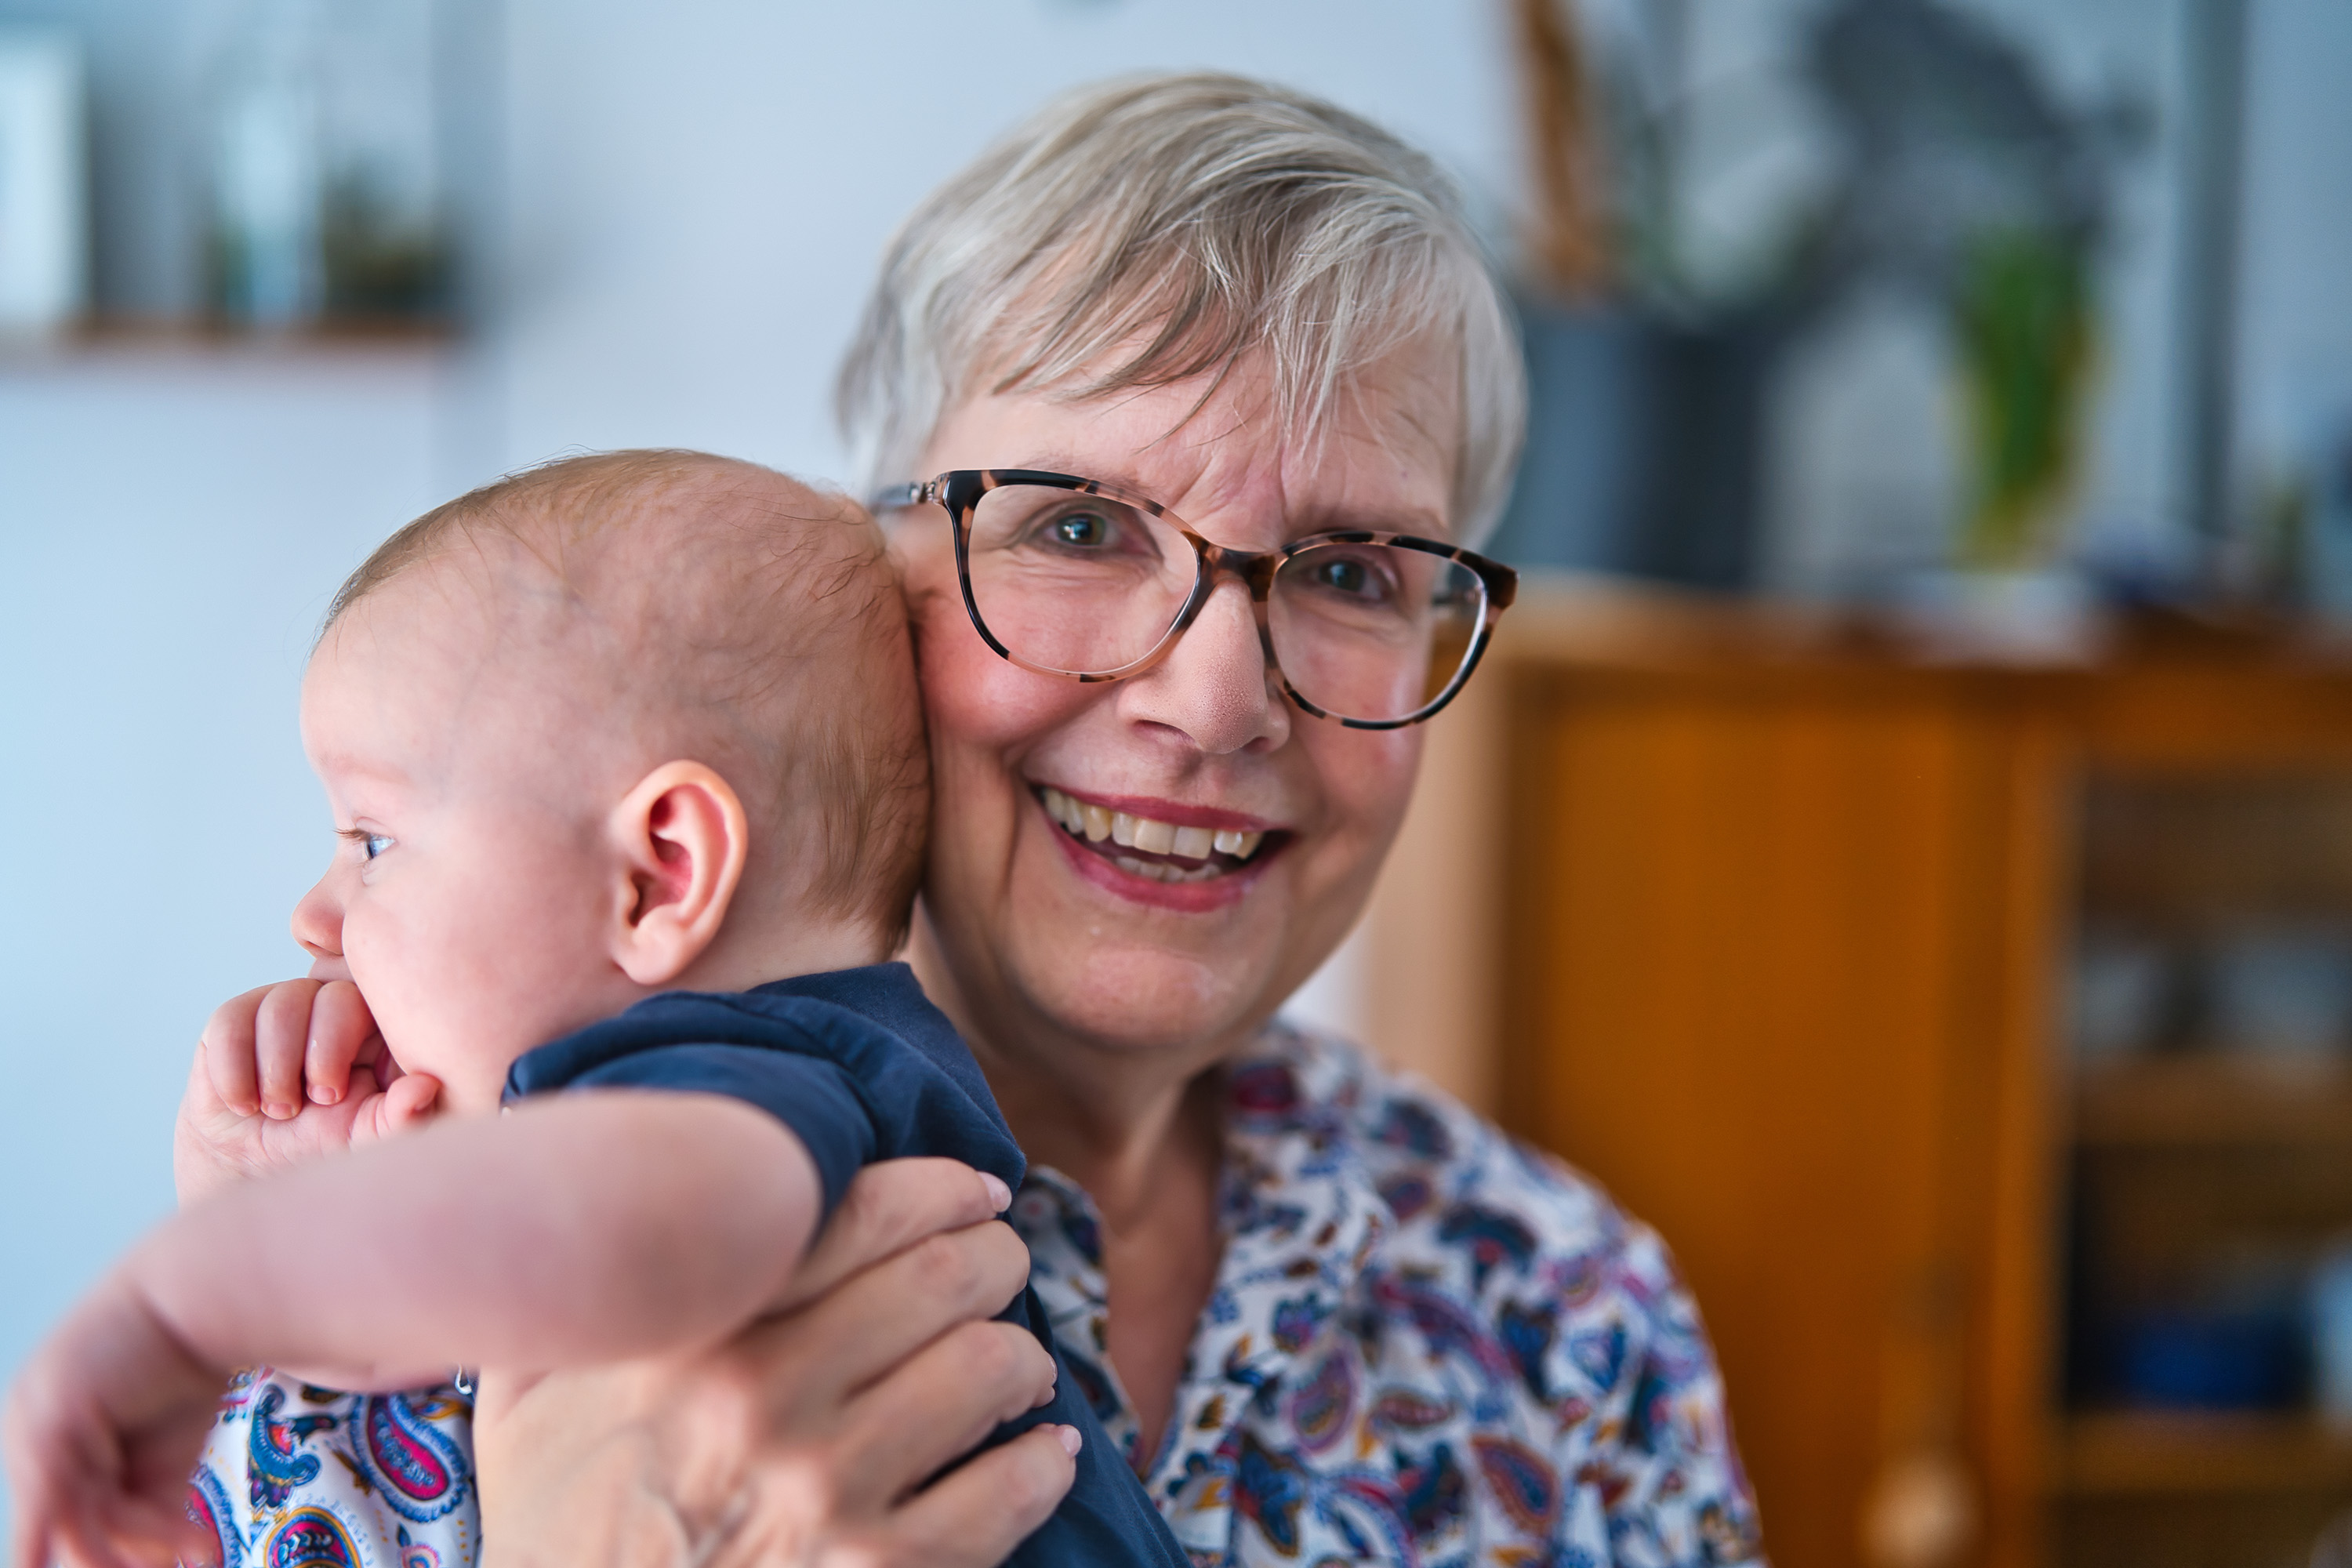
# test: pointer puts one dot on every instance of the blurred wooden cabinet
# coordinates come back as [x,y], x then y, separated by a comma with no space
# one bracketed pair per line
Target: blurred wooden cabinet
[1764,926]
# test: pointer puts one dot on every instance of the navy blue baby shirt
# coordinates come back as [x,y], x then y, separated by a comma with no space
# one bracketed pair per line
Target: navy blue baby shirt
[861,1067]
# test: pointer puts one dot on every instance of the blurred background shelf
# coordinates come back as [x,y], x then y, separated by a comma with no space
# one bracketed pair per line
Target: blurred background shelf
[2202,1101]
[132,339]
[2141,1453]
[1778,923]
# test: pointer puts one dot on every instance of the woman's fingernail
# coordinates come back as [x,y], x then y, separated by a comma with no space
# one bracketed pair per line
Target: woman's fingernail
[999,1196]
[1071,1441]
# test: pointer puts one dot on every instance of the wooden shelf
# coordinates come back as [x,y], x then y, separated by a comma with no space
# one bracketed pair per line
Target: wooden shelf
[2212,1100]
[198,339]
[2146,1453]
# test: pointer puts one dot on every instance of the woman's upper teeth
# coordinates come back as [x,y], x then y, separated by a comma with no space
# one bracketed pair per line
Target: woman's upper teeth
[1152,836]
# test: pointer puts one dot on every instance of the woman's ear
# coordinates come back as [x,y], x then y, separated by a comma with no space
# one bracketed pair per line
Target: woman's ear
[683,839]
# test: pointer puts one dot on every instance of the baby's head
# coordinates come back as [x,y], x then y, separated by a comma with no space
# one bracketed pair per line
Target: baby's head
[622,724]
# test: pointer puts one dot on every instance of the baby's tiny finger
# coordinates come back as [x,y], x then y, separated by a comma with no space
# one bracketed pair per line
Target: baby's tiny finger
[410,1099]
[339,1026]
[406,1101]
[363,1083]
[281,1037]
[227,1048]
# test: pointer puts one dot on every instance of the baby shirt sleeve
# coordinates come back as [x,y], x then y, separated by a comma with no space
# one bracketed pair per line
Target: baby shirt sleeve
[812,1096]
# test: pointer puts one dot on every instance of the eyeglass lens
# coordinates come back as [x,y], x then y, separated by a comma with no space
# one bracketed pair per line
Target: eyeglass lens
[1084,585]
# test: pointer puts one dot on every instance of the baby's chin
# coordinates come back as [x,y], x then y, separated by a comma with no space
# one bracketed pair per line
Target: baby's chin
[465,1088]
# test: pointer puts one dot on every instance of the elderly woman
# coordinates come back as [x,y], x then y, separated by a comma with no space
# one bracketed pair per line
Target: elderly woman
[1187,398]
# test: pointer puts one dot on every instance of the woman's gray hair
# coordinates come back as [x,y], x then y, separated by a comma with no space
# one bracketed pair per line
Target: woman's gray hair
[1206,218]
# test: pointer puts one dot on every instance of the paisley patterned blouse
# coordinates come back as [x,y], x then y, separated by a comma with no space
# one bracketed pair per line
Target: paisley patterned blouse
[1427,1346]
[294,1477]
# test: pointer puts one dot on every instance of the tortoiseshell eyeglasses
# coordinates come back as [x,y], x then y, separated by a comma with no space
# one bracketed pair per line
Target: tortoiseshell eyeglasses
[1069,577]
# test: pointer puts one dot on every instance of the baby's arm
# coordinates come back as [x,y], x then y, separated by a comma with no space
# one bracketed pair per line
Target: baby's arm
[588,1227]
[583,1227]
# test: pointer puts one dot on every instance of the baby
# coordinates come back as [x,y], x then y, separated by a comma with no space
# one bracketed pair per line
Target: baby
[627,761]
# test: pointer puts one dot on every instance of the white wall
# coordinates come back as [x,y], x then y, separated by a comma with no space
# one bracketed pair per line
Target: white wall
[170,529]
[699,202]
[2296,344]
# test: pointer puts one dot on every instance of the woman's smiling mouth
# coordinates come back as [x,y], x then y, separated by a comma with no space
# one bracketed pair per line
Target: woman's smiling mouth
[1151,848]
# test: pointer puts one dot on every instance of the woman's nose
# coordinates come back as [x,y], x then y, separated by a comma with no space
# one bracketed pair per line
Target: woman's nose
[1214,686]
[318,921]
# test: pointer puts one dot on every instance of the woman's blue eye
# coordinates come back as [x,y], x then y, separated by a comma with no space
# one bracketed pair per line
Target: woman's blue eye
[1078,528]
[1353,578]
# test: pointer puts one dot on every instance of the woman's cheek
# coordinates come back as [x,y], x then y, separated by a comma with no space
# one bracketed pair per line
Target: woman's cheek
[986,715]
[977,723]
[1367,777]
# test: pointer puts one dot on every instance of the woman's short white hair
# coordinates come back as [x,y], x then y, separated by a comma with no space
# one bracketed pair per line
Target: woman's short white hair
[1205,218]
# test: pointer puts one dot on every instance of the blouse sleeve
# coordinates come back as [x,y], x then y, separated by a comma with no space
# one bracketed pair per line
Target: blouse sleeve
[1667,1468]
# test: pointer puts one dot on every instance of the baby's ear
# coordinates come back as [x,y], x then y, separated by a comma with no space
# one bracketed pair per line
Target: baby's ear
[683,839]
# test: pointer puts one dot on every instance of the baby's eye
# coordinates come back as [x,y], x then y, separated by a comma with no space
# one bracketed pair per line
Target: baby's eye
[371,844]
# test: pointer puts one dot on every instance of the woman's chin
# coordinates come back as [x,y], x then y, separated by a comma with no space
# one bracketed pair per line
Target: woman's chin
[1139,1000]
[1153,967]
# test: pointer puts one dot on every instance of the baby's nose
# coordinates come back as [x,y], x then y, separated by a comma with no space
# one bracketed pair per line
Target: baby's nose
[318,922]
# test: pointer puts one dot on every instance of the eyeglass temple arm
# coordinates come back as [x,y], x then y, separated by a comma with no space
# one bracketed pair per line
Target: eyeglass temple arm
[897,496]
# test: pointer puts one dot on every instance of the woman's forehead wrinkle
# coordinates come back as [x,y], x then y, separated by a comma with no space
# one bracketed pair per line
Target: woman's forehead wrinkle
[1229,466]
[1234,489]
[1418,419]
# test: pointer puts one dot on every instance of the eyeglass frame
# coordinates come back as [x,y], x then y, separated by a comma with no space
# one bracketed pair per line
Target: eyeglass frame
[958,491]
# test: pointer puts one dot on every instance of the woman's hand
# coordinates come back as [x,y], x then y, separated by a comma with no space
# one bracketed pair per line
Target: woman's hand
[802,1443]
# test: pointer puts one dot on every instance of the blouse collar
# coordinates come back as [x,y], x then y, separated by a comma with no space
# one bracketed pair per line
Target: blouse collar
[1300,1218]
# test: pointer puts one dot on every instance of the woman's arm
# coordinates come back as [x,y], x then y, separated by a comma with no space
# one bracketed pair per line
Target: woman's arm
[805,1440]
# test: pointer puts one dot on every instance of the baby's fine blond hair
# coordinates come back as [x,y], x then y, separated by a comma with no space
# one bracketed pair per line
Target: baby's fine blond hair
[739,617]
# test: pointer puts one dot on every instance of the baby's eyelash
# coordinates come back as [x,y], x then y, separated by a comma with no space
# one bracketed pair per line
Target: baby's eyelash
[366,840]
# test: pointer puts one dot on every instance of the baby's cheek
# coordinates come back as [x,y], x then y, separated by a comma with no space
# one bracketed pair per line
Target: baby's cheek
[380,984]
[415,995]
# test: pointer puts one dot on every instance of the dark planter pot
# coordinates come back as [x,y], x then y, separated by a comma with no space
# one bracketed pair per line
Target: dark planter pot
[1644,446]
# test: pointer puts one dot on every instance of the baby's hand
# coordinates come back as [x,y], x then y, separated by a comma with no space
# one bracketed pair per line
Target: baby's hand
[283,1074]
[102,1428]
